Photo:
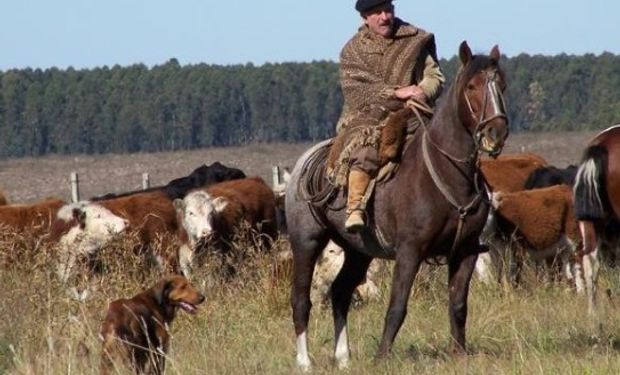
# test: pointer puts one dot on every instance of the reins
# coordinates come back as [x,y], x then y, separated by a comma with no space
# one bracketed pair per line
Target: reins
[416,107]
[463,210]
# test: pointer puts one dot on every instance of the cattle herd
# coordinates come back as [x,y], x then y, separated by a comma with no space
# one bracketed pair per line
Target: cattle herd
[531,219]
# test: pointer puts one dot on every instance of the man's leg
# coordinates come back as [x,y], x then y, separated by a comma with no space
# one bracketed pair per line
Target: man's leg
[364,166]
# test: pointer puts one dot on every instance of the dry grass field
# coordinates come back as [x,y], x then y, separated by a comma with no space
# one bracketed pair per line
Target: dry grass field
[245,325]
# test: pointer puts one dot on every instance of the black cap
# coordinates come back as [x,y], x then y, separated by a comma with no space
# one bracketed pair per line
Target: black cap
[366,5]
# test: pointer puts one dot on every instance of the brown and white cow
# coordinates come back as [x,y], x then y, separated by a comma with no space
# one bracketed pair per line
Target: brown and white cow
[80,230]
[34,217]
[509,172]
[24,226]
[211,216]
[506,173]
[544,223]
[149,216]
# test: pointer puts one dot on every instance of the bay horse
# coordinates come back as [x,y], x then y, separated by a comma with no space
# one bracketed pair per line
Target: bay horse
[596,196]
[432,207]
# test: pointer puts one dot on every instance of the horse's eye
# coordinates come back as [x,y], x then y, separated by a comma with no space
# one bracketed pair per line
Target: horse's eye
[470,86]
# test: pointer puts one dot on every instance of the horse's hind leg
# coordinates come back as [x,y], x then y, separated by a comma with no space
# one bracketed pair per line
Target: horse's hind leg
[588,263]
[351,275]
[460,269]
[305,253]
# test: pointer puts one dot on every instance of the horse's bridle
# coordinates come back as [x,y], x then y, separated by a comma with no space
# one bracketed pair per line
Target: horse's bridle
[497,101]
[496,97]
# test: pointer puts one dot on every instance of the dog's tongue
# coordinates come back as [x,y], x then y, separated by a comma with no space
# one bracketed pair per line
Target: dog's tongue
[188,307]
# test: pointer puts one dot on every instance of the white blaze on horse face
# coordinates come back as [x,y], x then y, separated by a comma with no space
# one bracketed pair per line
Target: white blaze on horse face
[199,211]
[303,359]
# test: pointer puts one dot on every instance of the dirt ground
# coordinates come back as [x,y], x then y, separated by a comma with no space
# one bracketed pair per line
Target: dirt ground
[31,179]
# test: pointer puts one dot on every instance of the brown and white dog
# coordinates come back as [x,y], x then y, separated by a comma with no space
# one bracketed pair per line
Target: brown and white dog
[135,330]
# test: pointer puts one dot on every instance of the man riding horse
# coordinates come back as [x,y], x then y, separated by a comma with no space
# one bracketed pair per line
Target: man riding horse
[386,63]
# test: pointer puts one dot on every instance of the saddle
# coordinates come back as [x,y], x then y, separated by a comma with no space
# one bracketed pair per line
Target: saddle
[389,137]
[320,185]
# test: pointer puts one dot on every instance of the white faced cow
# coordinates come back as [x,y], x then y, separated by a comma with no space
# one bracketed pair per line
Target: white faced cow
[81,229]
[212,216]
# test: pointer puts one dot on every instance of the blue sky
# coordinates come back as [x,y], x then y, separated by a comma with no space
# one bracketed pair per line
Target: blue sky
[92,33]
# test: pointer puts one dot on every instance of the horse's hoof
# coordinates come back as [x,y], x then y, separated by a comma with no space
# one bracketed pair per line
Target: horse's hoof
[303,364]
[342,364]
[458,351]
[381,355]
[306,368]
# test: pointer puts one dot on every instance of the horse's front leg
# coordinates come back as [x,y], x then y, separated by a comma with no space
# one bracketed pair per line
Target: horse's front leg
[460,269]
[305,254]
[405,270]
[351,275]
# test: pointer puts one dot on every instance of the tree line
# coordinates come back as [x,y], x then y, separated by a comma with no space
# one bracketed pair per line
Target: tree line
[171,107]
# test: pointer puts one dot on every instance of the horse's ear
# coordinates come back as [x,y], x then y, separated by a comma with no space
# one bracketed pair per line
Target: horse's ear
[464,53]
[495,55]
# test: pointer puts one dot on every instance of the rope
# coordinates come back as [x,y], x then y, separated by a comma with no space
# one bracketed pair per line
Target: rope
[312,187]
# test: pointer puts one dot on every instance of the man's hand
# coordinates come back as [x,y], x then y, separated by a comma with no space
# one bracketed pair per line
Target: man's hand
[410,92]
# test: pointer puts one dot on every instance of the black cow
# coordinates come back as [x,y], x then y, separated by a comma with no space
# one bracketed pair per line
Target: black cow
[550,175]
[202,176]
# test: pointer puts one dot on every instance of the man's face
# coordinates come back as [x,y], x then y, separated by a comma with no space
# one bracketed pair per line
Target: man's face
[380,19]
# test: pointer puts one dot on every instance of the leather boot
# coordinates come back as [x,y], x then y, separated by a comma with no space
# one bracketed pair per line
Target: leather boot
[358,182]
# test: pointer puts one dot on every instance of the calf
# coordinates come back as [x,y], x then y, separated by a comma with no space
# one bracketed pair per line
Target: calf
[35,218]
[544,223]
[509,172]
[506,173]
[212,216]
[149,216]
[135,330]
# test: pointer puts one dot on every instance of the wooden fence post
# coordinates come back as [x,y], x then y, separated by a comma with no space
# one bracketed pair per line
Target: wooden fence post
[275,176]
[75,187]
[145,181]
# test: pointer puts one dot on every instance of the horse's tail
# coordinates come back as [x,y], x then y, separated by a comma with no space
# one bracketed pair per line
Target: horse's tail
[589,192]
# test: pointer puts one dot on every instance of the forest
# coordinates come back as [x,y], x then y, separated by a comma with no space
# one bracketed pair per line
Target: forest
[171,107]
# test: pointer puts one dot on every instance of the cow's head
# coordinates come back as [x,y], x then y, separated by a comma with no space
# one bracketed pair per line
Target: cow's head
[91,226]
[198,212]
[94,221]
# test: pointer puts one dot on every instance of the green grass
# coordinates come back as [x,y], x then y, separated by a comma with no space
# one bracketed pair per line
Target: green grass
[245,326]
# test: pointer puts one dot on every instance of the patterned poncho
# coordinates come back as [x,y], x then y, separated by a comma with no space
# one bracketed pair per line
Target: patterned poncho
[371,68]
